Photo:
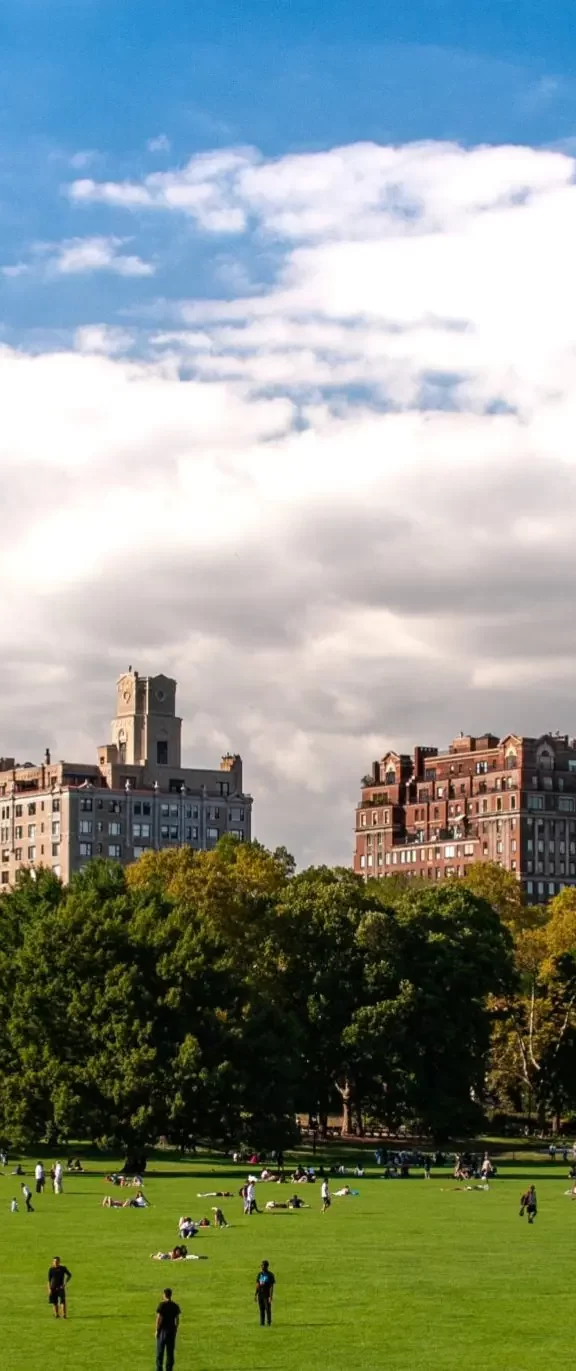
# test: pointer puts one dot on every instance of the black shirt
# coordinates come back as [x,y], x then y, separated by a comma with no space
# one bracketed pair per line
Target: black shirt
[169,1312]
[265,1281]
[56,1275]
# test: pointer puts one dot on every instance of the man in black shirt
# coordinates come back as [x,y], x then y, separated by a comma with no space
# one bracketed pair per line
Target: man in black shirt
[58,1277]
[167,1321]
[265,1282]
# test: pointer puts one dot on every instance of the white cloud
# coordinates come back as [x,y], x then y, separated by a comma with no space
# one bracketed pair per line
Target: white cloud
[78,256]
[107,339]
[161,143]
[339,509]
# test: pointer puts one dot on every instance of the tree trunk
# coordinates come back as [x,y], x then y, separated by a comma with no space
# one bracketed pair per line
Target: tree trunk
[345,1091]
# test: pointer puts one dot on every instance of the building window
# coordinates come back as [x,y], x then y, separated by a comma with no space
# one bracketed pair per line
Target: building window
[114,828]
[174,811]
[19,832]
[468,849]
[161,753]
[18,811]
[235,816]
[141,831]
[55,849]
[499,804]
[32,807]
[513,845]
[114,807]
[362,860]
[85,849]
[5,877]
[139,851]
[499,847]
[481,768]
[86,826]
[215,814]
[566,804]
[32,854]
[224,787]
[56,871]
[165,831]
[449,851]
[86,804]
[137,808]
[537,802]
[212,834]
[114,850]
[56,828]
[31,830]
[55,806]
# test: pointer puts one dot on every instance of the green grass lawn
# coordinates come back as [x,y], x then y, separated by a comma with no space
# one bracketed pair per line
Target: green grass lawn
[409,1275]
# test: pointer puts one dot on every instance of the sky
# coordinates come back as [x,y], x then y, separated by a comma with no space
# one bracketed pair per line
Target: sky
[287,381]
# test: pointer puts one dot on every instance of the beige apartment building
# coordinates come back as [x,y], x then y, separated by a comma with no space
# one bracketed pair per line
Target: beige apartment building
[137,797]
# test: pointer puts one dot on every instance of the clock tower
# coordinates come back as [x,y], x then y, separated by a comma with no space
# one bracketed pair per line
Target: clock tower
[146,730]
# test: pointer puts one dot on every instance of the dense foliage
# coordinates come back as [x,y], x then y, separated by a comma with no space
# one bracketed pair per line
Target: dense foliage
[216,995]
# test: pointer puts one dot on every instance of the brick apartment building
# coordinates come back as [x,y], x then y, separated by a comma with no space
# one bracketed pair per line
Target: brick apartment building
[510,800]
[135,798]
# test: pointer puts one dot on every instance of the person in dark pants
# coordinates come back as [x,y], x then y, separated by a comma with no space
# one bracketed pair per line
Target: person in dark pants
[167,1322]
[265,1282]
[58,1277]
[27,1197]
[528,1204]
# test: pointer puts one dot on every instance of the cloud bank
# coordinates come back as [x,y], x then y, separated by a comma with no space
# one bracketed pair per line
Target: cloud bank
[337,502]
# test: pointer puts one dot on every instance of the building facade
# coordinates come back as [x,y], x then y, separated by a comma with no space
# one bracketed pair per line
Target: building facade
[137,797]
[510,800]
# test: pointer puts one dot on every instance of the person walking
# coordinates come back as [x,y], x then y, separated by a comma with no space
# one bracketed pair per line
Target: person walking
[528,1204]
[58,1278]
[325,1194]
[27,1197]
[167,1324]
[40,1178]
[58,1178]
[264,1293]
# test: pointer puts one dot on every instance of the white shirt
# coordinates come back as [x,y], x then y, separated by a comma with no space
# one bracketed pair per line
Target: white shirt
[58,1172]
[39,1172]
[251,1193]
[325,1191]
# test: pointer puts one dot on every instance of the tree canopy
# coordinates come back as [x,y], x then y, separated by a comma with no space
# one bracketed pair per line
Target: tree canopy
[215,995]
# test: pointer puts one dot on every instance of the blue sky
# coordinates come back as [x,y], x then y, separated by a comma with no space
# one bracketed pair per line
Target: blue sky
[96,75]
[287,367]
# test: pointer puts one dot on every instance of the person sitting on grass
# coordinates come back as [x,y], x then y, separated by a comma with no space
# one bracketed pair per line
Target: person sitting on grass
[75,1165]
[219,1220]
[187,1228]
[300,1176]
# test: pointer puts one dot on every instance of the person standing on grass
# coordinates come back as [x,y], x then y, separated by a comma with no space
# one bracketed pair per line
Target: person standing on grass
[265,1282]
[167,1324]
[325,1193]
[58,1178]
[27,1197]
[40,1178]
[427,1165]
[528,1204]
[251,1198]
[58,1278]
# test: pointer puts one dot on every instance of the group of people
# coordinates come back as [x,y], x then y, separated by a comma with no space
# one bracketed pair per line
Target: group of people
[56,1175]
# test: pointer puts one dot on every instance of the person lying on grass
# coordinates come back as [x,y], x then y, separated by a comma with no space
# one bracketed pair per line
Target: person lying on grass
[138,1202]
[179,1253]
[215,1195]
